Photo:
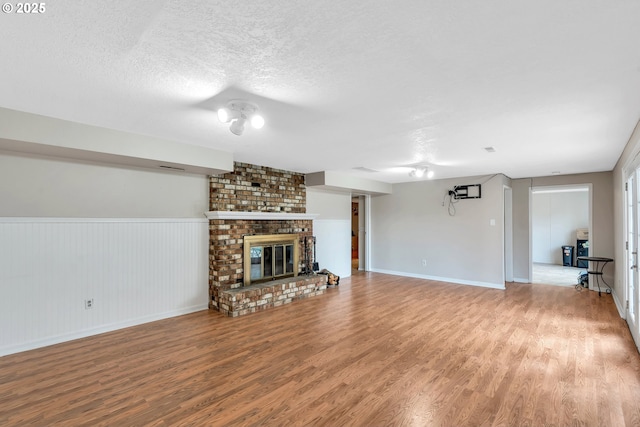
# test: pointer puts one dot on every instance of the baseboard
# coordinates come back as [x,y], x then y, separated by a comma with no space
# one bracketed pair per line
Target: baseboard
[441,279]
[520,280]
[621,307]
[99,330]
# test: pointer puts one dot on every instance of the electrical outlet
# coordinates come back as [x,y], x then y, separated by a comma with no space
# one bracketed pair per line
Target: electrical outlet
[424,262]
[88,303]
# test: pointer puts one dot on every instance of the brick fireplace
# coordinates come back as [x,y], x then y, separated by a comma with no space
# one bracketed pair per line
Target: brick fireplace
[254,200]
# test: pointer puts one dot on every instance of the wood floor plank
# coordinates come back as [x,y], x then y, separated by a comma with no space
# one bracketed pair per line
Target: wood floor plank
[377,350]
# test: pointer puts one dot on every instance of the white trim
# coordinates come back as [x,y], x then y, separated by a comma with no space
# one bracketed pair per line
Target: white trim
[367,232]
[11,349]
[43,220]
[520,280]
[530,235]
[621,308]
[507,233]
[258,215]
[559,189]
[441,279]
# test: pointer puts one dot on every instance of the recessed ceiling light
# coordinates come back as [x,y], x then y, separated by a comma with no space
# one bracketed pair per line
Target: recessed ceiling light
[489,149]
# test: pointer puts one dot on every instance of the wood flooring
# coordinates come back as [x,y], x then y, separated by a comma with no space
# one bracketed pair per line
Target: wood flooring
[378,350]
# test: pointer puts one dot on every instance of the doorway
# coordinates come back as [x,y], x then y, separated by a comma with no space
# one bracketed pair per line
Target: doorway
[355,233]
[560,224]
[359,231]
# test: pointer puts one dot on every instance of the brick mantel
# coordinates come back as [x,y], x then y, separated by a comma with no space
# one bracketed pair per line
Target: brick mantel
[266,216]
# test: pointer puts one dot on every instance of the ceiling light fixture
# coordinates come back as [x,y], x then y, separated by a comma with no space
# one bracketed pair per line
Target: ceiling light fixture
[238,113]
[419,172]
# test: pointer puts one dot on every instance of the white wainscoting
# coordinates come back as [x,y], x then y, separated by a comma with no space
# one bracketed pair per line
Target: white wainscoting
[134,270]
[333,245]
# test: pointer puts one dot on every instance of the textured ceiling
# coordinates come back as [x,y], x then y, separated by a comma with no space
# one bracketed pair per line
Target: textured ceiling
[552,86]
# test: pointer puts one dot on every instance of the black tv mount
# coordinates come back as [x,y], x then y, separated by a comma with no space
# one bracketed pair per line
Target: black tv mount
[471,191]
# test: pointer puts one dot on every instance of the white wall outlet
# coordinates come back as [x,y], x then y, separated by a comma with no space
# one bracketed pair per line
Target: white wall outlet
[88,303]
[424,262]
[492,222]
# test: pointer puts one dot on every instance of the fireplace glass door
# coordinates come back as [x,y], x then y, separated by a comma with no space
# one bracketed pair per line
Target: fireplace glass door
[256,263]
[269,260]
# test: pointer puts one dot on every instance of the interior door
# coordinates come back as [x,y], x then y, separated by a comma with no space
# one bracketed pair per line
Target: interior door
[632,196]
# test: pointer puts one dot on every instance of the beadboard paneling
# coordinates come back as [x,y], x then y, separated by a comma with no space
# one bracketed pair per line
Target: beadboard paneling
[135,270]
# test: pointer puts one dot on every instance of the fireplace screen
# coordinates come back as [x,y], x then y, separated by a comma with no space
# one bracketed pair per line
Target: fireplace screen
[269,257]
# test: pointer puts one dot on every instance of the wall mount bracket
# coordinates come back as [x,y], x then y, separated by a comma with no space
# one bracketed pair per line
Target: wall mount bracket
[470,191]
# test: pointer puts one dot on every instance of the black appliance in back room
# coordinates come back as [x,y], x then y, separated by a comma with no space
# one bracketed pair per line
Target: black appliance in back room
[582,247]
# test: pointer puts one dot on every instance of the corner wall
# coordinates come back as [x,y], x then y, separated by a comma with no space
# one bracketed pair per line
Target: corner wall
[414,224]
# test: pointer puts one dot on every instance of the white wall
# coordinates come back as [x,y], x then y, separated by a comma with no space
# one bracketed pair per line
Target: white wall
[555,219]
[332,229]
[411,225]
[48,187]
[136,241]
[522,257]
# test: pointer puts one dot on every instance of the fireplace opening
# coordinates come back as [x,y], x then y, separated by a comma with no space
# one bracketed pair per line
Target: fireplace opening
[269,257]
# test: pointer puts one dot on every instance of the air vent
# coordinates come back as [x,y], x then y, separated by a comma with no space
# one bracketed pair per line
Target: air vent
[363,169]
[489,149]
[172,168]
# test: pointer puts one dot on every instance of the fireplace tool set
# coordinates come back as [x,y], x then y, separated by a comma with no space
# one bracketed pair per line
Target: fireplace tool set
[309,263]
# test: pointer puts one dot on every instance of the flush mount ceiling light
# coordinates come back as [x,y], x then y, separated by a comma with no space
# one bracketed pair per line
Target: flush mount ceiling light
[238,113]
[419,172]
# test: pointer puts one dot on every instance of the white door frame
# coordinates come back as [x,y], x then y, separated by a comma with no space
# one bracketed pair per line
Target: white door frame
[507,255]
[364,231]
[631,298]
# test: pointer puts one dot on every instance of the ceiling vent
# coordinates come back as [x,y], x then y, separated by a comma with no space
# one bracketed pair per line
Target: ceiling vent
[363,169]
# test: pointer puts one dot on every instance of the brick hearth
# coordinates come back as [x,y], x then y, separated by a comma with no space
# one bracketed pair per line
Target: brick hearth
[249,299]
